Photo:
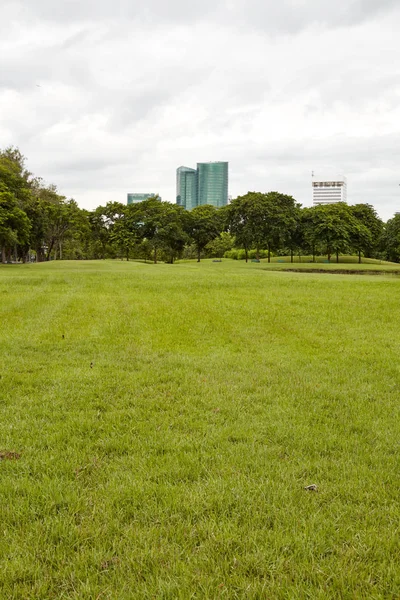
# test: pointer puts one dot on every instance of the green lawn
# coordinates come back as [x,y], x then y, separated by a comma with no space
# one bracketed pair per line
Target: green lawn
[348,263]
[348,260]
[167,418]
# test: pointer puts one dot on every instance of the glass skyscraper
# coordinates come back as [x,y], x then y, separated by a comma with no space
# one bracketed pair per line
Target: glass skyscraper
[208,184]
[186,187]
[212,183]
[134,198]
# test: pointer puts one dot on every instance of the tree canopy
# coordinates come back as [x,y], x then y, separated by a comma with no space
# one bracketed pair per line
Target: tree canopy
[38,223]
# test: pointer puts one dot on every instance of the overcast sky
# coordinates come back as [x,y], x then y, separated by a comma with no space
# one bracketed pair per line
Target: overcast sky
[105,98]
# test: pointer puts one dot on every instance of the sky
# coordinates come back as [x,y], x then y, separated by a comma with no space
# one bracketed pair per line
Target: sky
[106,98]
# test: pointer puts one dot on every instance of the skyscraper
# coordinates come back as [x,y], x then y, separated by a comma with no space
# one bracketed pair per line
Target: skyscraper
[134,198]
[208,184]
[186,187]
[212,183]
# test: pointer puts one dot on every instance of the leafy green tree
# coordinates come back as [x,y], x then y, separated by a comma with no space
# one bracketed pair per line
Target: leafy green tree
[114,221]
[335,227]
[221,244]
[163,228]
[308,221]
[204,224]
[14,176]
[78,242]
[14,223]
[126,228]
[173,233]
[292,236]
[151,224]
[263,221]
[57,220]
[240,224]
[17,181]
[100,232]
[391,239]
[368,234]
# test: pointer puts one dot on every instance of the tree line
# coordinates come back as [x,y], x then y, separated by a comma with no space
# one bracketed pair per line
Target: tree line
[37,223]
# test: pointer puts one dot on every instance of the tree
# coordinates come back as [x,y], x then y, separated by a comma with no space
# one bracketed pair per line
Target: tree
[124,226]
[221,244]
[151,223]
[240,224]
[369,232]
[204,224]
[263,220]
[14,176]
[100,233]
[14,223]
[292,231]
[334,227]
[78,240]
[392,239]
[173,232]
[57,217]
[17,181]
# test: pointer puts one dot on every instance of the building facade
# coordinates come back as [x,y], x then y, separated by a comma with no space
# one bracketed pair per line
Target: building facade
[134,198]
[212,183]
[329,192]
[208,184]
[186,187]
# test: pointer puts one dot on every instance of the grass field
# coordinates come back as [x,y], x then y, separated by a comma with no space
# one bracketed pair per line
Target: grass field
[159,423]
[346,263]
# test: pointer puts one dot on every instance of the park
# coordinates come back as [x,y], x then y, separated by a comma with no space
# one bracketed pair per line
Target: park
[199,430]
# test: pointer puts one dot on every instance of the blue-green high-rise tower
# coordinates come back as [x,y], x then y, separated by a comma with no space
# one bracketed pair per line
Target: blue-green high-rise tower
[208,184]
[212,183]
[186,187]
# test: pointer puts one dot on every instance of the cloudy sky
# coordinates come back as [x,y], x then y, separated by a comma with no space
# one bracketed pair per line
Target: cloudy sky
[106,98]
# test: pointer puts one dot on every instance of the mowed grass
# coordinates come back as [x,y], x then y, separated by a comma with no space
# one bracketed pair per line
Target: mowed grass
[350,261]
[346,263]
[169,417]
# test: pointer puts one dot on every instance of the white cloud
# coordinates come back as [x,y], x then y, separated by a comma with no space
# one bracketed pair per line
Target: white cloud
[276,89]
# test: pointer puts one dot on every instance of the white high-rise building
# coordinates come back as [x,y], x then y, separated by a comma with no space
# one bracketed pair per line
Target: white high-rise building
[329,192]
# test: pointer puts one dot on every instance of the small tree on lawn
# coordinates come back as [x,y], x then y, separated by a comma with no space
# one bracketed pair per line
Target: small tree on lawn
[204,225]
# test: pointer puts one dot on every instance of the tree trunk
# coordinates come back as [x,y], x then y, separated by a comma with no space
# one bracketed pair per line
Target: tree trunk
[198,254]
[3,255]
[337,256]
[155,255]
[127,254]
[246,254]
[359,257]
[291,256]
[50,248]
[60,251]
